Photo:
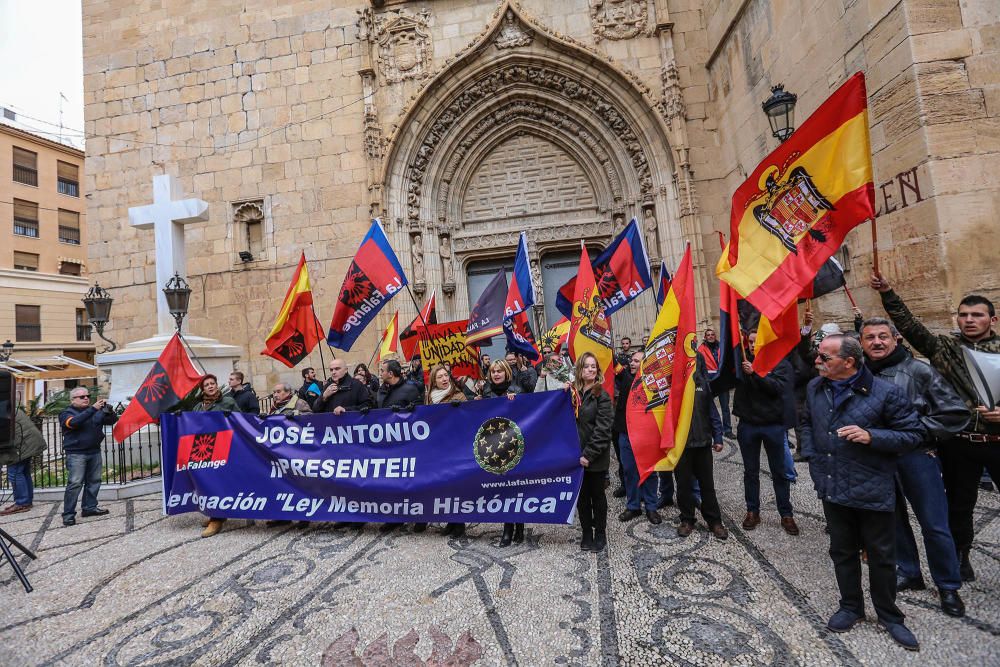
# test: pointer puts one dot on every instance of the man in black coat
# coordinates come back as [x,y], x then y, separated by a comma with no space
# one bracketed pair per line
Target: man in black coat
[854,430]
[394,392]
[243,394]
[766,408]
[695,464]
[918,479]
[342,393]
[83,432]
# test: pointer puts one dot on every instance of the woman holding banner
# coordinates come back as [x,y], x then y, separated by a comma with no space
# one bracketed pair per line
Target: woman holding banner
[213,400]
[500,382]
[593,424]
[442,389]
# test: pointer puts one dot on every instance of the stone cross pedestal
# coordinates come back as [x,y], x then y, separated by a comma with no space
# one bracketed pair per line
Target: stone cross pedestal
[167,216]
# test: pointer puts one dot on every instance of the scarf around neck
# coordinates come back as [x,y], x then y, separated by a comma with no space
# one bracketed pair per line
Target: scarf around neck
[438,395]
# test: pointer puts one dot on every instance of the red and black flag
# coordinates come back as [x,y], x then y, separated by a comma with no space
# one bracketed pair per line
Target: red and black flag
[296,332]
[409,338]
[171,378]
[830,278]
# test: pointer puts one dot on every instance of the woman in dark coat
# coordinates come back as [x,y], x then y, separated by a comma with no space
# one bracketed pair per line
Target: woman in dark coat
[594,417]
[500,382]
[364,376]
[443,389]
[213,400]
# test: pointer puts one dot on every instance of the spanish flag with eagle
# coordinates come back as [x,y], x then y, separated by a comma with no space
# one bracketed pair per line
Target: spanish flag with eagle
[661,402]
[296,332]
[590,328]
[797,206]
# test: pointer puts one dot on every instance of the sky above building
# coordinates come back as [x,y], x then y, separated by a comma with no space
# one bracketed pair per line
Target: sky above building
[41,48]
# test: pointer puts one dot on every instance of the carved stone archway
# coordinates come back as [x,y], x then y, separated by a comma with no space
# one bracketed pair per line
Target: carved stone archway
[519,82]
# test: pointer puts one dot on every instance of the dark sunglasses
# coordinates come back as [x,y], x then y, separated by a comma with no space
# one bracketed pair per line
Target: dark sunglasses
[824,356]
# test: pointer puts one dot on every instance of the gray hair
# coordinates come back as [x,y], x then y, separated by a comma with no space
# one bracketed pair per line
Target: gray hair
[283,386]
[850,348]
[880,322]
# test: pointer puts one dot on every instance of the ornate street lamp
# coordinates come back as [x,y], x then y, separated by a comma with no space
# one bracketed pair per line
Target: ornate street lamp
[8,349]
[178,295]
[98,305]
[780,110]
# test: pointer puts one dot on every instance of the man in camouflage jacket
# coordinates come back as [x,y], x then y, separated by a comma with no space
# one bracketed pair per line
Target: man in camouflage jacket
[964,456]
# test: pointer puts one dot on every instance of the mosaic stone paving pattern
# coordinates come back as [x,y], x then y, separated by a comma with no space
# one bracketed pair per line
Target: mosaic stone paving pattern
[137,588]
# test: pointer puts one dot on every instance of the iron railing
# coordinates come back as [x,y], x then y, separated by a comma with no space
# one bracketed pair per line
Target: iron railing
[134,459]
[68,187]
[25,175]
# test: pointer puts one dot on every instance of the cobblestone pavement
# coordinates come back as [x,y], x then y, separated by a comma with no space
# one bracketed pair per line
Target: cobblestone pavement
[137,588]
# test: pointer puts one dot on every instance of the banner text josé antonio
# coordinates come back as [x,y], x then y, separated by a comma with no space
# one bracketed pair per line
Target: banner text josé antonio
[496,460]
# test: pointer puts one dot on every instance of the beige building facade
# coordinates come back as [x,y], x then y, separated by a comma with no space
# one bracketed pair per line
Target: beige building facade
[43,262]
[462,123]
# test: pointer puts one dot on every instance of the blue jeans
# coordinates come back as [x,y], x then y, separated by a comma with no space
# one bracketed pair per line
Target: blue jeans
[19,475]
[635,495]
[772,437]
[790,474]
[727,417]
[919,481]
[84,471]
[666,486]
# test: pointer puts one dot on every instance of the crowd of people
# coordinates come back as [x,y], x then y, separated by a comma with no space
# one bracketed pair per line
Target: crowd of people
[882,432]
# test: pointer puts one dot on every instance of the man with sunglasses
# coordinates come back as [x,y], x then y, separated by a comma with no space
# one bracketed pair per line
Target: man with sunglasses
[83,432]
[854,429]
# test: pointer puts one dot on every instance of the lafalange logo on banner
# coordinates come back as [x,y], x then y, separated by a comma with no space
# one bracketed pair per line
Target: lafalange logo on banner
[199,451]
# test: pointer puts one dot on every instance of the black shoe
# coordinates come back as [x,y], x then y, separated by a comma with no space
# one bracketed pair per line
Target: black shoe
[730,434]
[518,533]
[654,517]
[449,528]
[508,535]
[69,520]
[619,492]
[389,527]
[587,543]
[685,529]
[965,567]
[952,604]
[843,621]
[909,584]
[628,515]
[419,527]
[458,530]
[600,541]
[97,511]
[271,523]
[665,502]
[901,635]
[302,525]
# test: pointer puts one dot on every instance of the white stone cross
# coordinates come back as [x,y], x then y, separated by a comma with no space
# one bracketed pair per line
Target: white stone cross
[167,215]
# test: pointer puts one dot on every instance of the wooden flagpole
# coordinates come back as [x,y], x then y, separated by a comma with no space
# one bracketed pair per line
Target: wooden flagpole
[875,268]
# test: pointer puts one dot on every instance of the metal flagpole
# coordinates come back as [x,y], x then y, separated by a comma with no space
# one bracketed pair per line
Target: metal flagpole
[194,357]
[323,339]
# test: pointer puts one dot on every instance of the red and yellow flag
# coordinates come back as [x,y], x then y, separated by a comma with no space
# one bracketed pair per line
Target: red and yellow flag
[797,206]
[296,332]
[389,344]
[775,339]
[556,336]
[660,405]
[589,328]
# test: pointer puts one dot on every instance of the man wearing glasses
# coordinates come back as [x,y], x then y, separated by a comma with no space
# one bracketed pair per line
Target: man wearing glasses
[83,432]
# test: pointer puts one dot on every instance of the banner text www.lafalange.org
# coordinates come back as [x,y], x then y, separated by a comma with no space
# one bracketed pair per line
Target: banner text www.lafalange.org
[527,482]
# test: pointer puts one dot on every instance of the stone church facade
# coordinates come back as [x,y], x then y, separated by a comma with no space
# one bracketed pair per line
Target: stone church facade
[462,123]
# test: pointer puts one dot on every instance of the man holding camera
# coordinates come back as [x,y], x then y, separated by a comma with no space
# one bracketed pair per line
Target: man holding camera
[83,432]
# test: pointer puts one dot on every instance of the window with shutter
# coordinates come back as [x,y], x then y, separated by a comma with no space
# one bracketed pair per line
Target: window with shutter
[25,167]
[25,261]
[82,325]
[69,268]
[69,227]
[25,218]
[28,323]
[69,179]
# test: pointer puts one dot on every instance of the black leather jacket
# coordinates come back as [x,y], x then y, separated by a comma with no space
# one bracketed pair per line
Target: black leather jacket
[941,410]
